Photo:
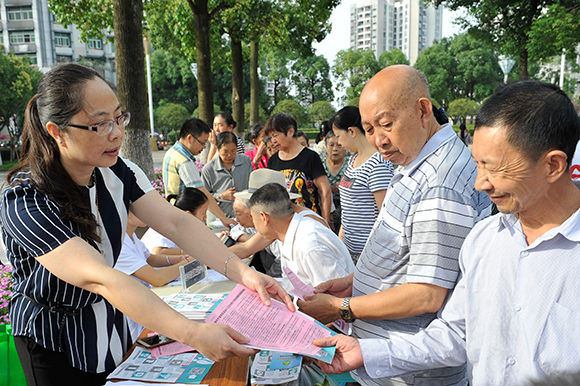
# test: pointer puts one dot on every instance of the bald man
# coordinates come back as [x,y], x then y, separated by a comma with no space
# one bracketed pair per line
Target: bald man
[410,260]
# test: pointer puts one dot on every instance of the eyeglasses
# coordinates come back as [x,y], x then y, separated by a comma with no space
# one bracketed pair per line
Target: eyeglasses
[197,139]
[106,127]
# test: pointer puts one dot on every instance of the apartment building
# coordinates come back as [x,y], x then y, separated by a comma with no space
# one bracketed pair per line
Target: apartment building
[381,25]
[29,29]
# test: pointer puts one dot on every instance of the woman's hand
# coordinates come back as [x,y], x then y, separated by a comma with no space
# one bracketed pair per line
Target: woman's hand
[334,188]
[212,138]
[219,341]
[266,287]
[262,151]
[229,222]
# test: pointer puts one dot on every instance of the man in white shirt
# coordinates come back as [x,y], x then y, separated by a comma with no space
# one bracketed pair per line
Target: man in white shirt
[310,249]
[513,316]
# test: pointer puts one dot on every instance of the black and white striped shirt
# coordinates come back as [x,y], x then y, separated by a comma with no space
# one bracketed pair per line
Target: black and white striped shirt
[359,207]
[96,339]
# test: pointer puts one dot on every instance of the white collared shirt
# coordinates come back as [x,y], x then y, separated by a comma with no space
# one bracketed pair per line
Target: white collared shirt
[313,252]
[513,316]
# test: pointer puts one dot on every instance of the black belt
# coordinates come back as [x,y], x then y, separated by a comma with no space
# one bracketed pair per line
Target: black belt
[52,309]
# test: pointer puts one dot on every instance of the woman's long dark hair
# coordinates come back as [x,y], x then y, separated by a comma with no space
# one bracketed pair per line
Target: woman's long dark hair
[346,117]
[60,96]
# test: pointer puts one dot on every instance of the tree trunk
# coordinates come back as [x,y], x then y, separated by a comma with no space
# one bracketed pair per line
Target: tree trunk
[131,83]
[276,84]
[203,56]
[254,84]
[523,64]
[238,85]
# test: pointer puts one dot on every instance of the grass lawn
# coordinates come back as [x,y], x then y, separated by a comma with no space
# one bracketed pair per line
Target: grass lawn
[7,165]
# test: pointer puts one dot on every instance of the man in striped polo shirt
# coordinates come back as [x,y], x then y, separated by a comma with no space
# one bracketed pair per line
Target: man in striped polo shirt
[180,170]
[410,260]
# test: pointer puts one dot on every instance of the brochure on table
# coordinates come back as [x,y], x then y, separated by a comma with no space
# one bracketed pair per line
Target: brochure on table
[181,368]
[274,368]
[273,328]
[194,306]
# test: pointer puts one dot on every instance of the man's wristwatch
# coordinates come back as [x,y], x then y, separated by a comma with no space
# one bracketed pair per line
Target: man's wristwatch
[345,313]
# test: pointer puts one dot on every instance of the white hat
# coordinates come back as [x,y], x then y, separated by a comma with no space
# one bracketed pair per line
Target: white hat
[261,177]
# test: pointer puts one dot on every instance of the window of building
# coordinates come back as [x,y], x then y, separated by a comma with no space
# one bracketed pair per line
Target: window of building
[61,39]
[19,37]
[19,13]
[95,44]
[31,58]
[63,59]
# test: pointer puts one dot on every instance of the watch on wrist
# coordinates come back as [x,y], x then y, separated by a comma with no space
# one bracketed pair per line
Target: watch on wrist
[345,312]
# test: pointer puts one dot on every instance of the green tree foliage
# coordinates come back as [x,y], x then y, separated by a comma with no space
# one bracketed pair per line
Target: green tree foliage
[320,111]
[459,109]
[392,57]
[293,108]
[460,67]
[440,68]
[274,64]
[311,76]
[172,80]
[92,17]
[18,82]
[508,24]
[170,117]
[557,29]
[353,69]
[478,71]
[262,117]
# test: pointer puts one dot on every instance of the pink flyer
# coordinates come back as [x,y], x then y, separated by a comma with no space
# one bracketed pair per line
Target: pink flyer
[272,328]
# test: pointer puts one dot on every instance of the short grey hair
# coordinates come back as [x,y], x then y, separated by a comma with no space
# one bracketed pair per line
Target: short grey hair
[243,201]
[272,199]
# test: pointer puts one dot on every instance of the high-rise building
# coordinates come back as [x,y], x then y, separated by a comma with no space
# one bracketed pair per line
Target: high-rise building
[381,25]
[28,28]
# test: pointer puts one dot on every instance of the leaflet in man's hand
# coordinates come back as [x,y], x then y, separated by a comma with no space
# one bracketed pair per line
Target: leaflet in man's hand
[273,328]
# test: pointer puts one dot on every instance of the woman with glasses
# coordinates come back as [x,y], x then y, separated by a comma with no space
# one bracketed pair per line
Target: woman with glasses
[63,218]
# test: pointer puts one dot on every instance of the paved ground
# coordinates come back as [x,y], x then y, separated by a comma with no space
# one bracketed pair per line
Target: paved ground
[158,157]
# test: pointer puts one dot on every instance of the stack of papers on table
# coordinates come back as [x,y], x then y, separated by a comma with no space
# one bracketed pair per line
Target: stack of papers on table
[181,368]
[274,367]
[194,306]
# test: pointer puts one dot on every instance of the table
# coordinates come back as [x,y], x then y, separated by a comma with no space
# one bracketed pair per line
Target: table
[232,371]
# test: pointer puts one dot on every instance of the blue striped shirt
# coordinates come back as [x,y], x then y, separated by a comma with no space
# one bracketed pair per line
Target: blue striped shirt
[96,339]
[430,207]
